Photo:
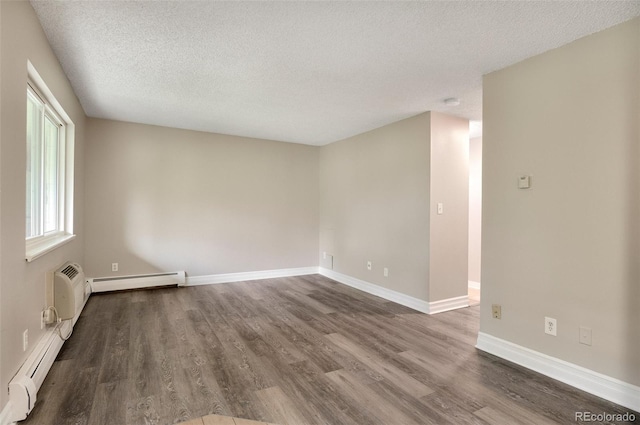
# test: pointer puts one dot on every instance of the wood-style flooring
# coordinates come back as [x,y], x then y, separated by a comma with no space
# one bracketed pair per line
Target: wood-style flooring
[222,420]
[300,350]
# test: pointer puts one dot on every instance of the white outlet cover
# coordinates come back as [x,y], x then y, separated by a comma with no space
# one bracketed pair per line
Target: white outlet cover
[550,326]
[524,182]
[585,335]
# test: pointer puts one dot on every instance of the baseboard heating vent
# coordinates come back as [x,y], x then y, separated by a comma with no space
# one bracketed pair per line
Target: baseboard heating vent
[24,387]
[119,283]
[67,290]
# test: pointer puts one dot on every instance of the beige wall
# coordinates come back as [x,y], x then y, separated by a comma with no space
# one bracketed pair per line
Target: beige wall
[449,185]
[22,284]
[475,208]
[568,247]
[378,196]
[374,205]
[162,199]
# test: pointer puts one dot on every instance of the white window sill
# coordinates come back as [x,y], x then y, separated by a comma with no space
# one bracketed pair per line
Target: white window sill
[38,249]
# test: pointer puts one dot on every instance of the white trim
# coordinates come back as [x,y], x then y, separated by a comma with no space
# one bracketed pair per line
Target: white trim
[41,245]
[474,285]
[45,245]
[604,386]
[119,283]
[449,304]
[44,91]
[214,279]
[5,414]
[398,297]
[387,294]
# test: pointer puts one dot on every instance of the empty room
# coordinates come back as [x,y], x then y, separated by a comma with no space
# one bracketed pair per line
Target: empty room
[310,213]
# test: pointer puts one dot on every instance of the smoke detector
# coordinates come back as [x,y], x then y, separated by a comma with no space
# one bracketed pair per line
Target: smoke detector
[452,101]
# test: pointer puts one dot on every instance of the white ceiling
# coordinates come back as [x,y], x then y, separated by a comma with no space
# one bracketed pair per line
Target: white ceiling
[304,72]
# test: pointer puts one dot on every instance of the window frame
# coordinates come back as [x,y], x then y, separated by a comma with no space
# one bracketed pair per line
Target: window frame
[46,241]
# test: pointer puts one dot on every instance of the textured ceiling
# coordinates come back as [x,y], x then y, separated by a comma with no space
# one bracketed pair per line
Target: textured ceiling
[305,72]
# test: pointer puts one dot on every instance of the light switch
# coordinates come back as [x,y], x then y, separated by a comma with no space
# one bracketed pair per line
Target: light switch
[440,208]
[585,335]
[524,182]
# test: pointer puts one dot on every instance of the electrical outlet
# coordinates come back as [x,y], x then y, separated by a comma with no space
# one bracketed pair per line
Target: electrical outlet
[550,326]
[496,311]
[585,335]
[114,267]
[47,316]
[385,271]
[25,339]
[369,265]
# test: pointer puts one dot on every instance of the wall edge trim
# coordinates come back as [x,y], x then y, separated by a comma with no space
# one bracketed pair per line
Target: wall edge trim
[474,285]
[373,289]
[612,389]
[448,304]
[214,279]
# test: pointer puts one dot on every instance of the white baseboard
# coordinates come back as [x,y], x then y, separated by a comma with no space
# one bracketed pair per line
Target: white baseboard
[474,284]
[604,386]
[5,414]
[397,297]
[449,304]
[387,294]
[244,276]
[119,283]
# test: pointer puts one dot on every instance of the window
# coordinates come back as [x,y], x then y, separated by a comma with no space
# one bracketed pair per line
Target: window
[47,193]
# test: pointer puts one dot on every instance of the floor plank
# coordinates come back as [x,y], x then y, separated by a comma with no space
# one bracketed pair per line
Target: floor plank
[198,421]
[394,375]
[280,407]
[350,387]
[298,350]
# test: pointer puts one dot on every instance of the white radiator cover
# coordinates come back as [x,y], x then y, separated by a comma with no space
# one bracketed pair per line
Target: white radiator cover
[120,283]
[24,386]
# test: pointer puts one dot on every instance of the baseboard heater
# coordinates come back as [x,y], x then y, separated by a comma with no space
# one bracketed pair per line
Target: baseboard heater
[68,292]
[120,283]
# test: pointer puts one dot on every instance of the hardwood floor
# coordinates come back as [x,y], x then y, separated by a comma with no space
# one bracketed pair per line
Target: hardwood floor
[302,350]
[222,420]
